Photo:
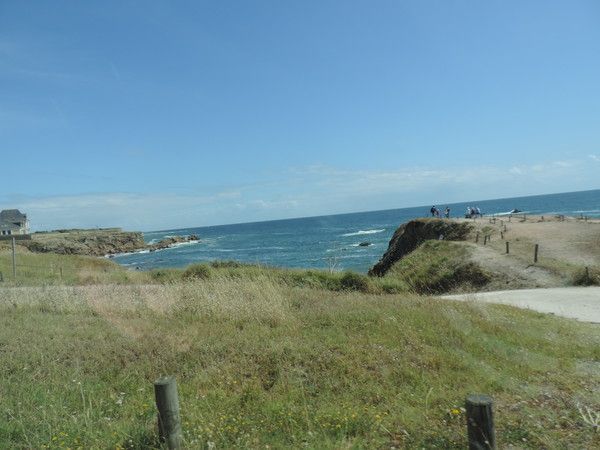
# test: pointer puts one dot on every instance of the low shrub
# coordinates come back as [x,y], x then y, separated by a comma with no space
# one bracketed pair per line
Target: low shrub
[196,272]
[586,277]
[352,281]
[165,275]
[230,264]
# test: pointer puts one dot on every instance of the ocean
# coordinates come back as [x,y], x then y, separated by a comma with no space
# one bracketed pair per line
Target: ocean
[331,241]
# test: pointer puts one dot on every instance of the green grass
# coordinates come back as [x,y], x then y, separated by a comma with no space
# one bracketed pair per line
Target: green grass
[263,363]
[40,269]
[438,267]
[34,269]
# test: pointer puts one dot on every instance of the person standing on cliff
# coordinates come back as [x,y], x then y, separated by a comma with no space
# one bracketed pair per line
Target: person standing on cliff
[433,211]
[447,213]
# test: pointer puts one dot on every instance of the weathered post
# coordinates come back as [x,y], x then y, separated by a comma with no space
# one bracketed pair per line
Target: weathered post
[477,237]
[485,240]
[167,403]
[14,263]
[1,277]
[502,235]
[507,251]
[535,253]
[61,274]
[480,422]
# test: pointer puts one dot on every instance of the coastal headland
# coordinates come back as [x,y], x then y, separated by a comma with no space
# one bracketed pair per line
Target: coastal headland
[493,253]
[96,242]
[301,358]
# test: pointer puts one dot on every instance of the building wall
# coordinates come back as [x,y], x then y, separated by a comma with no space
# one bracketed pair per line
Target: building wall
[12,230]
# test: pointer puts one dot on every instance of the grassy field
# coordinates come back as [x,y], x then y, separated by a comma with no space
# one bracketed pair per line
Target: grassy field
[262,364]
[273,358]
[436,267]
[40,269]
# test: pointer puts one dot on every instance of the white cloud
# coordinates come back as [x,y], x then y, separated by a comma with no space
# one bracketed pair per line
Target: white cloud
[594,158]
[312,190]
[516,171]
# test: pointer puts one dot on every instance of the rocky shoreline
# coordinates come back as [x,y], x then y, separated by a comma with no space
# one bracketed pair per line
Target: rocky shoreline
[163,244]
[102,242]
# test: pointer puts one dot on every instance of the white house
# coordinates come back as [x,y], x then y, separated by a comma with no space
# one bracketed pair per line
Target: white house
[12,221]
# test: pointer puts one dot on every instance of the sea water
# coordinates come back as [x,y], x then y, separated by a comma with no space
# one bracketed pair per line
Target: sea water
[332,242]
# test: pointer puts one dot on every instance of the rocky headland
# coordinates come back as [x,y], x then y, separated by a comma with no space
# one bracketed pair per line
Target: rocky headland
[101,242]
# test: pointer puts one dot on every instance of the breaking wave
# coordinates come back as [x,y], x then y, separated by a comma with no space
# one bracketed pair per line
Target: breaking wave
[361,232]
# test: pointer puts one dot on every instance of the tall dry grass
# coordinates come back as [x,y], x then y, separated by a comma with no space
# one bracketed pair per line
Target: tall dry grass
[260,362]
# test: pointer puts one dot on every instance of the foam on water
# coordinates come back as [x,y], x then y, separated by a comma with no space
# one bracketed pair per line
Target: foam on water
[362,232]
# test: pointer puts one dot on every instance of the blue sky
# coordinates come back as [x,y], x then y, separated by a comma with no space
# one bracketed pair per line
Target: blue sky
[153,115]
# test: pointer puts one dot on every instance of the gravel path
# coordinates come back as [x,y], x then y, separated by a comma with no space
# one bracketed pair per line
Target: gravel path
[581,303]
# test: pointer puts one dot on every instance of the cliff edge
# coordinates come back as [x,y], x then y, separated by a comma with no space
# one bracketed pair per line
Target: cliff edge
[412,234]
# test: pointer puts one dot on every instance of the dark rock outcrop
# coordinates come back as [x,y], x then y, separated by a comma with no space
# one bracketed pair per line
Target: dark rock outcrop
[170,241]
[411,234]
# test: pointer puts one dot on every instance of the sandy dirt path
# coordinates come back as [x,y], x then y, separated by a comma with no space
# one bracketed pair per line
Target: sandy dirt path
[581,303]
[573,241]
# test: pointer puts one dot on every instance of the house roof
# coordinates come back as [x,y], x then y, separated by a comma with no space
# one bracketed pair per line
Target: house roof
[8,226]
[12,216]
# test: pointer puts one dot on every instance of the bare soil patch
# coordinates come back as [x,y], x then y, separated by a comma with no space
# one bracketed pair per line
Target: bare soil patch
[564,246]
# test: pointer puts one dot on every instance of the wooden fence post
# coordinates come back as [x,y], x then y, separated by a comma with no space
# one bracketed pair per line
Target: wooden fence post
[477,237]
[535,253]
[502,235]
[14,264]
[167,403]
[485,239]
[480,422]
[507,248]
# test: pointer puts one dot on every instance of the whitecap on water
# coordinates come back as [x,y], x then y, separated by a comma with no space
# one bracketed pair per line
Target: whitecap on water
[361,232]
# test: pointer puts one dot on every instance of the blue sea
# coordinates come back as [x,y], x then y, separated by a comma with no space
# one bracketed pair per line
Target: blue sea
[331,241]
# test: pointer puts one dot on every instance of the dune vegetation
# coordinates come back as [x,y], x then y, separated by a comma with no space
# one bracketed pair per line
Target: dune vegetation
[272,359]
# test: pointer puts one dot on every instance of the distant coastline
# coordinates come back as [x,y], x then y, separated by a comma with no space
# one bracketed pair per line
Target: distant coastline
[316,242]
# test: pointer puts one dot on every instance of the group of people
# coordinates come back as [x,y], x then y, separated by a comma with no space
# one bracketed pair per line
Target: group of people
[437,213]
[473,212]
